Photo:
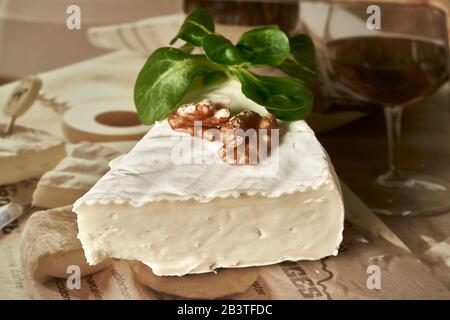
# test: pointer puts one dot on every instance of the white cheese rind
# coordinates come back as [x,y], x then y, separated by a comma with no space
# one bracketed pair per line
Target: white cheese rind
[27,153]
[49,245]
[181,219]
[73,176]
[151,173]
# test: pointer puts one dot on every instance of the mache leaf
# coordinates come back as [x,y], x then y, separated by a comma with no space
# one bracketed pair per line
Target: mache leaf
[164,80]
[221,50]
[264,46]
[301,64]
[195,28]
[214,78]
[302,49]
[286,97]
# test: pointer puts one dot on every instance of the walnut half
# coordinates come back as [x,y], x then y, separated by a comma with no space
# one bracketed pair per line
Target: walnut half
[247,138]
[197,118]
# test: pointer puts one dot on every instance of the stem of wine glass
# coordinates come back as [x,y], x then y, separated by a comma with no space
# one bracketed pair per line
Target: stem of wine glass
[393,117]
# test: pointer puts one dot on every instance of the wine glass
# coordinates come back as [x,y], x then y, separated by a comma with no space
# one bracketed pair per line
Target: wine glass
[396,65]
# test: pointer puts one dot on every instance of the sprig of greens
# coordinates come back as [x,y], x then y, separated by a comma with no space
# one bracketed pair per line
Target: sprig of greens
[170,72]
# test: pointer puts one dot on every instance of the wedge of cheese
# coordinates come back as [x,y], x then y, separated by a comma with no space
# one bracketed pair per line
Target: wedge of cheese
[49,245]
[28,153]
[183,215]
[73,176]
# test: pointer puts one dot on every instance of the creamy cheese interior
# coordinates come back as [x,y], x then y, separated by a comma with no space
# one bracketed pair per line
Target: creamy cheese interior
[180,237]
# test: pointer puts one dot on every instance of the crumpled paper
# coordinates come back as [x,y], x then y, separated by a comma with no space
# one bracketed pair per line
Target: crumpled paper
[367,267]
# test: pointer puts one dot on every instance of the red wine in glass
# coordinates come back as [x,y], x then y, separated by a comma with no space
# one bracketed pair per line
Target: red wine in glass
[387,69]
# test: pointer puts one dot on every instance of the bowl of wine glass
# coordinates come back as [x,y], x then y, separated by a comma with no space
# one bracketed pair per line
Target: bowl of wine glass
[395,66]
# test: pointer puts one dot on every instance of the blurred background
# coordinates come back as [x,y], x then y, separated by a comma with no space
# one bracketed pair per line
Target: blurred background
[34,36]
